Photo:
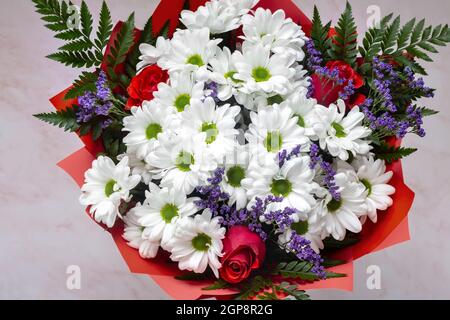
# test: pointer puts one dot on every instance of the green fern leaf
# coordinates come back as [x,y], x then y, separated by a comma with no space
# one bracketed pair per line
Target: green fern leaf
[301,270]
[105,26]
[390,154]
[65,119]
[86,19]
[86,82]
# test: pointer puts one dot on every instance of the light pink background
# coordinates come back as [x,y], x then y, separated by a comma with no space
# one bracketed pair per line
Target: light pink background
[43,229]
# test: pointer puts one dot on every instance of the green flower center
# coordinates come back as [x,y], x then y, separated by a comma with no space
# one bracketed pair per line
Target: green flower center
[368,186]
[230,75]
[168,212]
[201,242]
[340,131]
[261,74]
[235,175]
[182,101]
[300,121]
[273,141]
[281,187]
[334,205]
[109,187]
[196,60]
[152,131]
[211,132]
[300,227]
[184,161]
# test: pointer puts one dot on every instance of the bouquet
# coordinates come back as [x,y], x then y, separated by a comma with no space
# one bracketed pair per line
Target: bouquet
[236,147]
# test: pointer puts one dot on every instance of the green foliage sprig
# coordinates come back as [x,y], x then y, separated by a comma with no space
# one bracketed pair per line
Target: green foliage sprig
[390,153]
[81,48]
[65,119]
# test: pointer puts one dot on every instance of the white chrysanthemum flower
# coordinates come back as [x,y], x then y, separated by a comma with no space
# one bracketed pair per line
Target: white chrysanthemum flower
[138,167]
[274,129]
[197,243]
[190,50]
[343,214]
[150,54]
[302,108]
[236,165]
[145,125]
[106,185]
[217,123]
[308,227]
[182,163]
[294,181]
[217,15]
[340,133]
[223,72]
[372,174]
[180,92]
[274,31]
[261,71]
[132,233]
[160,211]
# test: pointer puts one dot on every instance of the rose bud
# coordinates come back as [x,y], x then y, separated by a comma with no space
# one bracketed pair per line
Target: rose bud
[244,251]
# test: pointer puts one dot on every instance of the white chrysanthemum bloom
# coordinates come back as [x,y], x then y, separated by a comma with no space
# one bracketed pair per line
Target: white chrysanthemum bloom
[160,211]
[144,126]
[132,233]
[372,174]
[218,123]
[341,215]
[190,50]
[274,31]
[309,228]
[340,133]
[261,71]
[150,54]
[106,185]
[180,92]
[302,108]
[294,181]
[236,165]
[182,163]
[138,167]
[274,129]
[223,71]
[218,16]
[197,243]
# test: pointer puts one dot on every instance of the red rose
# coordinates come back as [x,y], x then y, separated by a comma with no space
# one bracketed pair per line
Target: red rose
[244,251]
[327,91]
[144,84]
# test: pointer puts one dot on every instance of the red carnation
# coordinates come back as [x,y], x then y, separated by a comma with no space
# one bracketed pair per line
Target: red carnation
[144,84]
[326,91]
[244,251]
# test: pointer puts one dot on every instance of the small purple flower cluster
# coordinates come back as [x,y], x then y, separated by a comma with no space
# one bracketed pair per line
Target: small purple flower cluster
[417,84]
[213,90]
[314,57]
[415,118]
[96,103]
[282,218]
[302,249]
[328,180]
[284,156]
[348,91]
[213,195]
[385,78]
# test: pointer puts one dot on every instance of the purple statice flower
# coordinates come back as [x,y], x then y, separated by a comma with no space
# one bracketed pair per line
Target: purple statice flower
[415,117]
[348,91]
[283,156]
[281,218]
[329,180]
[213,195]
[314,57]
[212,89]
[329,172]
[301,247]
[92,104]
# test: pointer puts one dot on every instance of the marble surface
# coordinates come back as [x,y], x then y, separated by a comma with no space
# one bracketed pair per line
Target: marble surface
[44,230]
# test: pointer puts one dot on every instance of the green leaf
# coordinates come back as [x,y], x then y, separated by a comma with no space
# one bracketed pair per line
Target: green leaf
[105,26]
[390,154]
[217,285]
[292,291]
[390,36]
[97,131]
[405,34]
[344,43]
[319,32]
[86,82]
[252,287]
[301,270]
[86,20]
[427,112]
[65,119]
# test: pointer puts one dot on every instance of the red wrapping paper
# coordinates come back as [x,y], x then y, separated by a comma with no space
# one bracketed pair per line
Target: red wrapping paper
[392,227]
